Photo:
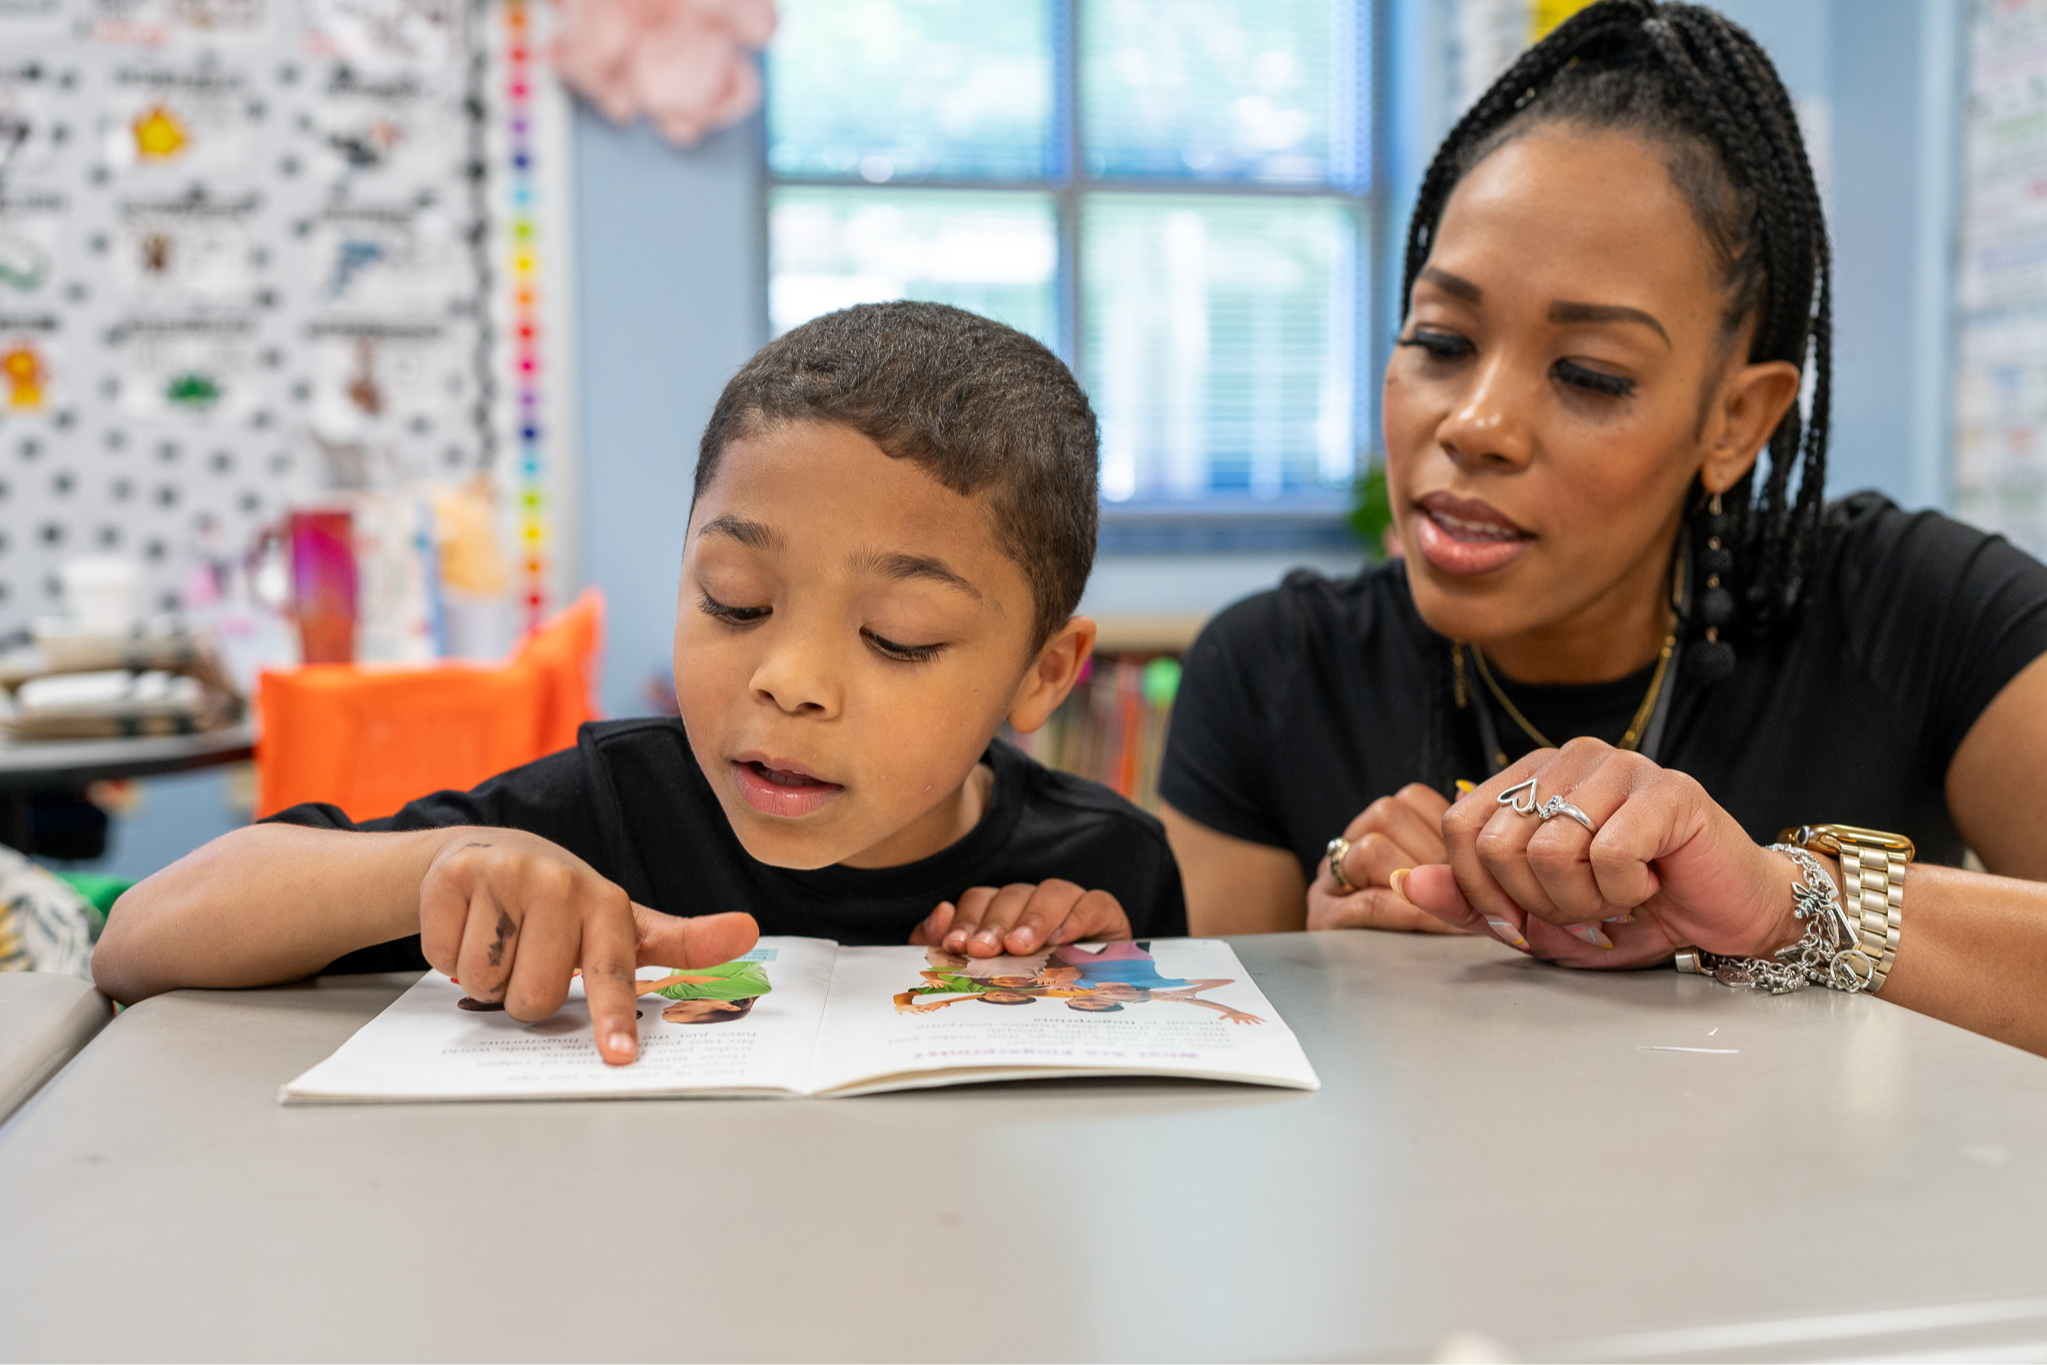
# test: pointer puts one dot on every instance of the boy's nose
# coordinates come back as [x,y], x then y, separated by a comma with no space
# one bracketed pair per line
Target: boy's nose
[798,680]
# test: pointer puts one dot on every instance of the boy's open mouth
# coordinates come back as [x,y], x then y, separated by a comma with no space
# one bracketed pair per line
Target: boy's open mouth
[777,787]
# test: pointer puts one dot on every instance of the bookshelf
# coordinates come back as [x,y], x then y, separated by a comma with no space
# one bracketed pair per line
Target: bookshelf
[1112,727]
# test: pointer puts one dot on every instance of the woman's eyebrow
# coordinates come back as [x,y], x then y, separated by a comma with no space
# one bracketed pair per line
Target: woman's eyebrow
[1563,310]
[1456,286]
[901,566]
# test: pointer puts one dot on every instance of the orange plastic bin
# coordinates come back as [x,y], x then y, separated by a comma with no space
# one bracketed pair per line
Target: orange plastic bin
[371,739]
[565,650]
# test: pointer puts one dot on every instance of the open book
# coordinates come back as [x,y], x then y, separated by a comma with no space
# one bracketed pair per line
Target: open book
[803,1016]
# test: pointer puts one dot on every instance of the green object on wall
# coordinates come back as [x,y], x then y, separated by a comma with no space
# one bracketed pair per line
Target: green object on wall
[193,391]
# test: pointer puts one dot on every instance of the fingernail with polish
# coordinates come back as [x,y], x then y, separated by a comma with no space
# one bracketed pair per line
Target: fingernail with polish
[1590,935]
[1618,919]
[1508,932]
[1398,881]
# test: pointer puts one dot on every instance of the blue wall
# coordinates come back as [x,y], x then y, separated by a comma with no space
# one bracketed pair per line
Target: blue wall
[669,281]
[1896,124]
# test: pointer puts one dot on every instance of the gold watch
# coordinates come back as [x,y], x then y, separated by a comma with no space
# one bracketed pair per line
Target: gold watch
[1873,869]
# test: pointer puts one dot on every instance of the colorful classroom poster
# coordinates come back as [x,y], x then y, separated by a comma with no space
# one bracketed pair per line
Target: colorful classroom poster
[251,250]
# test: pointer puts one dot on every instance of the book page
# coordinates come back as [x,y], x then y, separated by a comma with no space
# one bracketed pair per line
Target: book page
[905,1017]
[744,1027]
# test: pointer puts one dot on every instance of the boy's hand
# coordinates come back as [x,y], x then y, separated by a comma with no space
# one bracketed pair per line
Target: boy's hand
[1022,918]
[512,917]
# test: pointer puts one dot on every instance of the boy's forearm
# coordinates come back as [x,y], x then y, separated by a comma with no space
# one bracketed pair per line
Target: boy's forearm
[264,904]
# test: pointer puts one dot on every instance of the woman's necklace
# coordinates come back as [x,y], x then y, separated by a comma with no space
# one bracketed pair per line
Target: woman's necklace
[1631,740]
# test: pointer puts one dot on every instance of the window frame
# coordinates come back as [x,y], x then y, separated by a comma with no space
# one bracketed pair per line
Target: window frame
[1212,523]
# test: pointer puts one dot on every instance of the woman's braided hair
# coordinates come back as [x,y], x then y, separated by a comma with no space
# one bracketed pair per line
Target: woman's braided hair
[1694,83]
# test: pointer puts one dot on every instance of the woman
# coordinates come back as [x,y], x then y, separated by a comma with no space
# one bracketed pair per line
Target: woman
[1616,290]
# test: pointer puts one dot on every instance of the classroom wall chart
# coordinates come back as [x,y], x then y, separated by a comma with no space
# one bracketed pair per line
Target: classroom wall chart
[2000,414]
[251,250]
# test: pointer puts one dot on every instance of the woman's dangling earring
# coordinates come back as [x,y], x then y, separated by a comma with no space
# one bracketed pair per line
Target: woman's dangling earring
[1712,660]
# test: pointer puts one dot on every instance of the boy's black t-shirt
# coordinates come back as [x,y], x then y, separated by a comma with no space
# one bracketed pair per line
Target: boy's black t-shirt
[630,801]
[1301,706]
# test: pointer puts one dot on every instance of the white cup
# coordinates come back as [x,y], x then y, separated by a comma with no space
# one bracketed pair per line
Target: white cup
[102,593]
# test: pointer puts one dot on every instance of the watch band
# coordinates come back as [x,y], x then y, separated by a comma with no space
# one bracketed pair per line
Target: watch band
[1873,870]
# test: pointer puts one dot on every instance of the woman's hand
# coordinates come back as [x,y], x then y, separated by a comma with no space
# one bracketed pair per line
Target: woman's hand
[514,917]
[1662,867]
[1398,831]
[1021,919]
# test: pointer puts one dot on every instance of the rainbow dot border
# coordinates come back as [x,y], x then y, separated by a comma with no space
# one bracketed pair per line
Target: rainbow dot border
[525,307]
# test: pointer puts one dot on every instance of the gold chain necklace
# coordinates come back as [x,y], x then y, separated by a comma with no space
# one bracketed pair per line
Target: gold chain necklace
[1630,741]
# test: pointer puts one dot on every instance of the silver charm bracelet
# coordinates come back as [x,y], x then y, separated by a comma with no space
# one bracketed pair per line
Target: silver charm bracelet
[1829,954]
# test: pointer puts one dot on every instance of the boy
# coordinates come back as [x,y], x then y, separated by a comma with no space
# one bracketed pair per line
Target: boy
[893,520]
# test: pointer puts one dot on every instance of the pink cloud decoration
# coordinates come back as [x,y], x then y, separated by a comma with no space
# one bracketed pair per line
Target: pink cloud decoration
[687,66]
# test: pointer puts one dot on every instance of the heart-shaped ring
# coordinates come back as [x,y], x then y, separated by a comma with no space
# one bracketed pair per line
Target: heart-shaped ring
[1520,798]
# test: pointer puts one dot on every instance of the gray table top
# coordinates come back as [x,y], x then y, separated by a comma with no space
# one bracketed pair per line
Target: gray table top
[28,764]
[1493,1152]
[44,1020]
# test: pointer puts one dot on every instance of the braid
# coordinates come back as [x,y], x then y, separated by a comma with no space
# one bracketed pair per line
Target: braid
[1798,316]
[1695,82]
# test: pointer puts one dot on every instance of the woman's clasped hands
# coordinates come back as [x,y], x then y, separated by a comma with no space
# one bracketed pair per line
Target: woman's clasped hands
[1661,866]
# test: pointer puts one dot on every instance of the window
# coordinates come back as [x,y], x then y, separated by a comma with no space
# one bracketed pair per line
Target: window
[1172,194]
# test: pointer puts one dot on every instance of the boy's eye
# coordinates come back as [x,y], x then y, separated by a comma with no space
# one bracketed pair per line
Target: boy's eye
[738,616]
[1438,345]
[1597,381]
[914,654]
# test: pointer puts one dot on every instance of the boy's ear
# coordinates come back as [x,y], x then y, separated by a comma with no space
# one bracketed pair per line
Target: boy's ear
[1052,674]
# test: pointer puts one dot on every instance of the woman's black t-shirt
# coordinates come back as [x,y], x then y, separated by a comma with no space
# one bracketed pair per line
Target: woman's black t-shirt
[1301,706]
[631,801]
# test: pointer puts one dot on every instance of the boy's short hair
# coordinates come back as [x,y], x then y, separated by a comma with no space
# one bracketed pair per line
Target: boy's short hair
[978,405]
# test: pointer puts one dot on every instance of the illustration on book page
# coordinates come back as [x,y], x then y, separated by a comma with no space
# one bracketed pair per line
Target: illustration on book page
[1090,979]
[723,994]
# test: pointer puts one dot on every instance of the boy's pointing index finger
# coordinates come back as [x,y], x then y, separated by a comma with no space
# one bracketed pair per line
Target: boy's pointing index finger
[613,950]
